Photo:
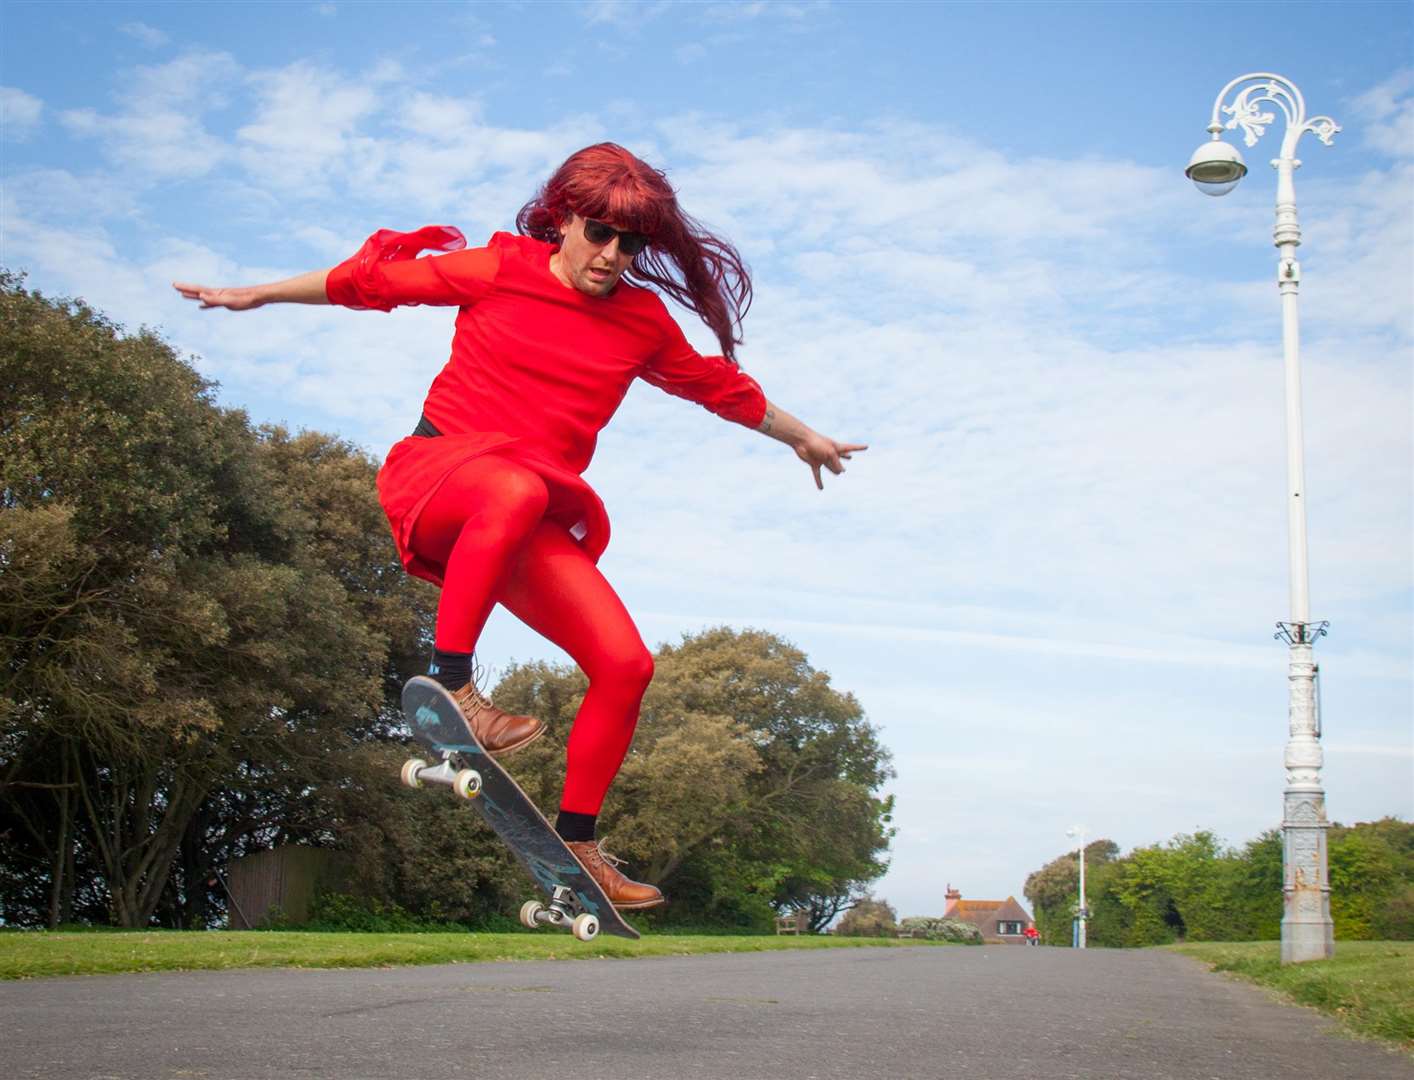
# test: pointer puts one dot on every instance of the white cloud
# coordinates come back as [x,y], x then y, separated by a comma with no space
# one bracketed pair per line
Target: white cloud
[909,185]
[19,113]
[158,132]
[748,10]
[333,246]
[1387,112]
[1045,636]
[165,144]
[148,35]
[59,195]
[200,81]
[76,260]
[623,14]
[306,128]
[446,158]
[386,71]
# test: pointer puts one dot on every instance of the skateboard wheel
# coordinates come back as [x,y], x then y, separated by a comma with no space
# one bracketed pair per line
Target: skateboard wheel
[530,914]
[411,767]
[585,927]
[467,783]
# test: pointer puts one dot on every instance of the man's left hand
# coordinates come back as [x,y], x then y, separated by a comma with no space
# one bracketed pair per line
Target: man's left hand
[818,451]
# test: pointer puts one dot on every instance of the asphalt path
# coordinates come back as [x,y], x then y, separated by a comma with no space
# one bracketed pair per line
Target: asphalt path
[987,1013]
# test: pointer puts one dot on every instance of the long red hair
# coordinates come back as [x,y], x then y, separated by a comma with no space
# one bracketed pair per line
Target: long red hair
[700,271]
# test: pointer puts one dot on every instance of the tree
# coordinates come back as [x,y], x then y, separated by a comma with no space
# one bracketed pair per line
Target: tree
[1371,869]
[752,783]
[1255,887]
[197,618]
[868,918]
[1054,890]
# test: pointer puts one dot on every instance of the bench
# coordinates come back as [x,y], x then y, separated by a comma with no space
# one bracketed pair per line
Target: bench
[796,923]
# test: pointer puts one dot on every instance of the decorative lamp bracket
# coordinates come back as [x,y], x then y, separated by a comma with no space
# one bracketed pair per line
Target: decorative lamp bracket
[1265,88]
[1300,633]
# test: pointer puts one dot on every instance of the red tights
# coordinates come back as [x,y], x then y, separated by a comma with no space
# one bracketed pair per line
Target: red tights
[486,525]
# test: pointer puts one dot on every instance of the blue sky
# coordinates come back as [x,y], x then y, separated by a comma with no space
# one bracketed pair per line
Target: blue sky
[1052,579]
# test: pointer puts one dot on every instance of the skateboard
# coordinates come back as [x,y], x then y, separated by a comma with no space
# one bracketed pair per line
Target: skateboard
[574,899]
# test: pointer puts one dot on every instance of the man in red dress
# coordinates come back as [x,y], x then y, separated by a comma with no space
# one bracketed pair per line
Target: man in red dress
[486,498]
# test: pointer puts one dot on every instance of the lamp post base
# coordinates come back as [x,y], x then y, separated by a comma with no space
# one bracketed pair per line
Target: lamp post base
[1307,932]
[1307,940]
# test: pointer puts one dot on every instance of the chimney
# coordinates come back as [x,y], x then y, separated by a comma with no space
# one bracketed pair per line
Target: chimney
[952,896]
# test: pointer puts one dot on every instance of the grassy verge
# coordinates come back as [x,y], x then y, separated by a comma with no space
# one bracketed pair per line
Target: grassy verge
[1368,985]
[34,954]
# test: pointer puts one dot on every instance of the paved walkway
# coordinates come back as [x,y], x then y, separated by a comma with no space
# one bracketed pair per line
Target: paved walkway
[984,1013]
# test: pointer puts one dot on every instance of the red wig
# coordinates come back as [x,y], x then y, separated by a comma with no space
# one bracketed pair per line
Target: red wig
[698,270]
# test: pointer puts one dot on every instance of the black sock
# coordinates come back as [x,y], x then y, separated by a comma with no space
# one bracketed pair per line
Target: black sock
[451,669]
[572,826]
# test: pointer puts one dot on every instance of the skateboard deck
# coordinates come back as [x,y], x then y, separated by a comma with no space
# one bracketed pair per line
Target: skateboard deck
[437,723]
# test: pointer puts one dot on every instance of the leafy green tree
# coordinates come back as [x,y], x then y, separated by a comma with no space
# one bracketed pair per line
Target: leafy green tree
[1255,887]
[1371,869]
[1142,884]
[196,618]
[1054,890]
[751,786]
[1180,890]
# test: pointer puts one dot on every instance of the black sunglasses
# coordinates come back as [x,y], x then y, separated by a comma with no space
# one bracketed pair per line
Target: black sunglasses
[630,243]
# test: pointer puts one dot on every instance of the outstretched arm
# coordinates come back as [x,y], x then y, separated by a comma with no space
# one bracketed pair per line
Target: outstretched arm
[810,446]
[305,289]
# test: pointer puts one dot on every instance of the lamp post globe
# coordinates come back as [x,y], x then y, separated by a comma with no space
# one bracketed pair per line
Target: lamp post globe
[1216,167]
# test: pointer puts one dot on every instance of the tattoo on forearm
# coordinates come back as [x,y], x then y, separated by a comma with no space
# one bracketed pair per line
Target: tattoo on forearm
[768,421]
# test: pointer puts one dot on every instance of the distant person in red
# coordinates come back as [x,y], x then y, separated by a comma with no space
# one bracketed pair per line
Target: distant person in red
[1033,936]
[485,498]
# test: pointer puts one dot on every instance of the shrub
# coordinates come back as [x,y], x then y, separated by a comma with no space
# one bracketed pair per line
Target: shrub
[942,929]
[340,913]
[868,918]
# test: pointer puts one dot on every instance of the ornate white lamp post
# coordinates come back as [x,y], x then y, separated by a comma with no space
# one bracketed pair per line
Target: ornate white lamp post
[1074,832]
[1306,929]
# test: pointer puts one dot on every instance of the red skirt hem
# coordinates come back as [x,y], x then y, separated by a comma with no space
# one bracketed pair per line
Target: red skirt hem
[416,467]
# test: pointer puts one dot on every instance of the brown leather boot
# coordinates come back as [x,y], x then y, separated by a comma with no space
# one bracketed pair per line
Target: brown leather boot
[622,892]
[498,731]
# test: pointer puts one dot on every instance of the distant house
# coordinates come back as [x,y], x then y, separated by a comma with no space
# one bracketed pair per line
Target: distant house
[1002,922]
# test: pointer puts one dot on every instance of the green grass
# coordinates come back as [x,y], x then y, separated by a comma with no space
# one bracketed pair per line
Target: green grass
[28,954]
[1367,985]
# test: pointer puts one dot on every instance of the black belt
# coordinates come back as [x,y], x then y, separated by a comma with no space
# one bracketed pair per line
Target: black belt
[425,429]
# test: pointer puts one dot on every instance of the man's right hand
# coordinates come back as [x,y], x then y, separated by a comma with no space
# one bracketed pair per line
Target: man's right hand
[238,299]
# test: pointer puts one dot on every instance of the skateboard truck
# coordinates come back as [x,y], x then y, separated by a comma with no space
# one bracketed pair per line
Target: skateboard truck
[465,782]
[563,911]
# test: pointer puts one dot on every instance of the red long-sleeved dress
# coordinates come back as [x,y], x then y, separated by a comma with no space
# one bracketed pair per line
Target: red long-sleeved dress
[536,371]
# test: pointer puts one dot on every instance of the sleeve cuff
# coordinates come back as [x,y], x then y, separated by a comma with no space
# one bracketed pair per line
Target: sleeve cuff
[339,286]
[750,411]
